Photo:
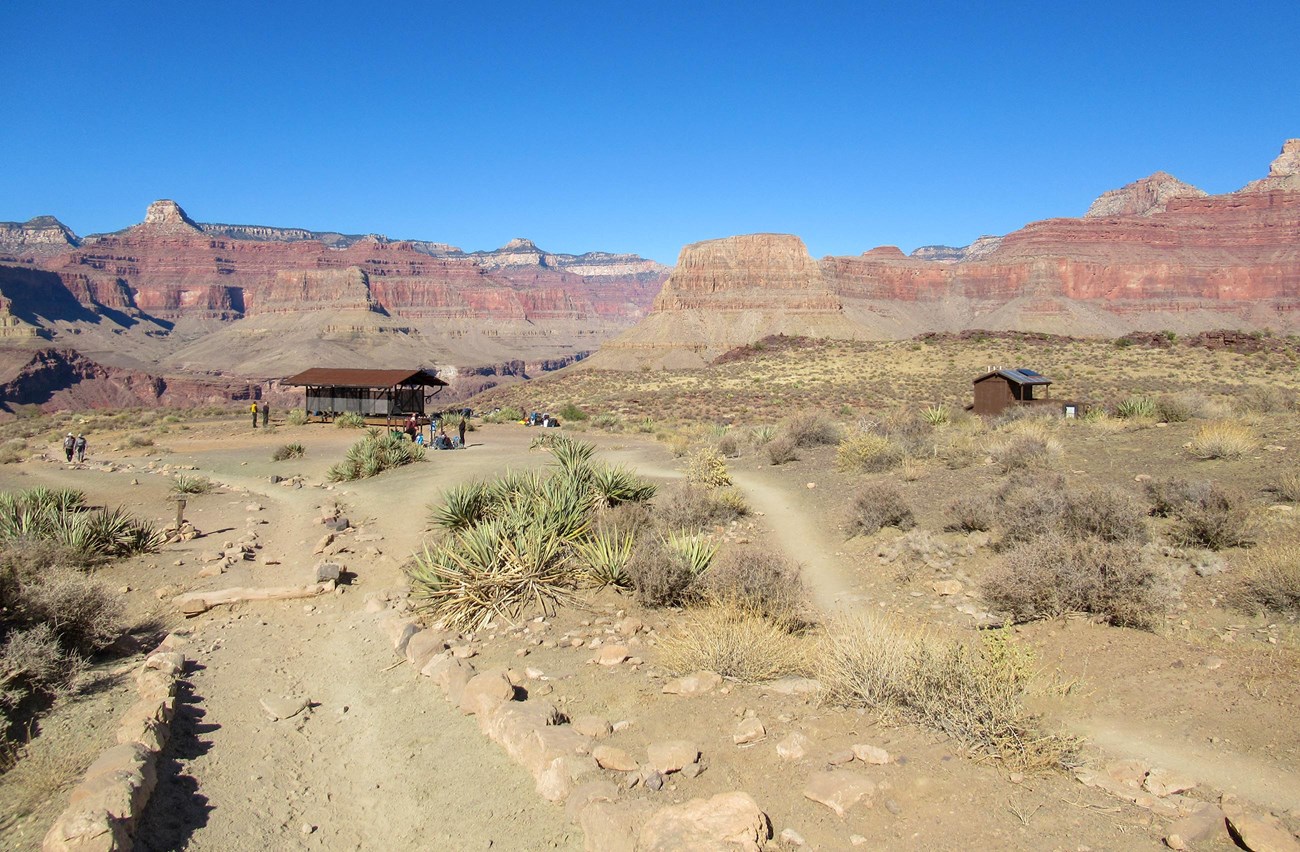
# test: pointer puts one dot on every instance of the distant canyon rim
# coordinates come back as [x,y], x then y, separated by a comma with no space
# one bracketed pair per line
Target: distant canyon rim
[179,312]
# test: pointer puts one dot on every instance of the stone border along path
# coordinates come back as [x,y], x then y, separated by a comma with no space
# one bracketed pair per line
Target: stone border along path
[104,808]
[537,736]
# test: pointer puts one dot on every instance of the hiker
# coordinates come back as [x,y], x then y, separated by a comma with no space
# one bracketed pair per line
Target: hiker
[69,443]
[266,413]
[253,408]
[460,427]
[81,448]
[442,442]
[412,426]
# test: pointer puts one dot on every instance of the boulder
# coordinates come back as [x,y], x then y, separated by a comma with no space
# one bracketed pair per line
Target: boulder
[671,755]
[485,692]
[613,826]
[609,757]
[693,684]
[793,747]
[839,789]
[727,821]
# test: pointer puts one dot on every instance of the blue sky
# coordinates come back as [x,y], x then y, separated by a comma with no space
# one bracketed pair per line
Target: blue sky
[633,126]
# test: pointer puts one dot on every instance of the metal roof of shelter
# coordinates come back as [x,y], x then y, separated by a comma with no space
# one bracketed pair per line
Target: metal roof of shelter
[347,378]
[1021,376]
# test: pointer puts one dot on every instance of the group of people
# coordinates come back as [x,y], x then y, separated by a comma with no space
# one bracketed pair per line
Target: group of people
[440,440]
[263,410]
[538,418]
[75,444]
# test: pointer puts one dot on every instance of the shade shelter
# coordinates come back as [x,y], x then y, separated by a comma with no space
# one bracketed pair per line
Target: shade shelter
[390,394]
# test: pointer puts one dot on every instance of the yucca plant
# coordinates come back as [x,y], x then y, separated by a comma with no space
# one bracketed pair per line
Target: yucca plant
[697,550]
[288,451]
[190,484]
[462,506]
[1136,407]
[606,553]
[350,420]
[613,485]
[374,454]
[761,435]
[570,455]
[935,415]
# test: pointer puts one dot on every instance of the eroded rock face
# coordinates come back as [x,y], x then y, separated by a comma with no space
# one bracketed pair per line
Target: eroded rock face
[38,236]
[1144,197]
[754,271]
[1283,173]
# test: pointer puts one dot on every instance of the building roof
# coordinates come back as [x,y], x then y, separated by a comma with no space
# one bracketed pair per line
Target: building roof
[345,378]
[1021,376]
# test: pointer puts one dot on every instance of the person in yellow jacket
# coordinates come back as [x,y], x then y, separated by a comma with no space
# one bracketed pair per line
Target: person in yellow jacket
[253,408]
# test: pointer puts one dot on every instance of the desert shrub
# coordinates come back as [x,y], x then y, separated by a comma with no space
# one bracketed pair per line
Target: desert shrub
[1136,407]
[960,450]
[678,445]
[296,417]
[83,612]
[781,449]
[1212,517]
[761,435]
[1103,513]
[288,451]
[186,483]
[569,411]
[13,450]
[1036,505]
[868,452]
[1286,485]
[1024,451]
[877,505]
[935,415]
[350,420]
[1167,496]
[811,429]
[661,575]
[33,663]
[374,454]
[729,446]
[1174,408]
[974,695]
[972,513]
[755,581]
[624,519]
[1270,578]
[688,506]
[608,422]
[1057,574]
[736,644]
[1264,399]
[707,467]
[1223,440]
[509,414]
[137,441]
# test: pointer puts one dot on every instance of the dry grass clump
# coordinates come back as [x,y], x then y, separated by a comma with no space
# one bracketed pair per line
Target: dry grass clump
[1223,440]
[781,449]
[1024,450]
[1058,574]
[1265,399]
[707,467]
[1213,518]
[729,445]
[736,643]
[972,513]
[877,505]
[350,420]
[12,451]
[868,452]
[1271,578]
[975,695]
[1181,407]
[756,581]
[1286,485]
[661,575]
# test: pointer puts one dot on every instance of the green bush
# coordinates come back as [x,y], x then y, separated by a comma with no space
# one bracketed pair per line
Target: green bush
[1135,407]
[296,417]
[350,420]
[60,517]
[288,451]
[569,411]
[504,415]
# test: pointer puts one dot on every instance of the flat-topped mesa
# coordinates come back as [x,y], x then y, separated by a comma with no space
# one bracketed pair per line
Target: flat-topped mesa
[40,235]
[167,215]
[1144,197]
[749,272]
[1283,172]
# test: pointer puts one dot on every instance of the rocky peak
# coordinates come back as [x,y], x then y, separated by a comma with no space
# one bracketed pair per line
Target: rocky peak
[1144,197]
[519,244]
[982,247]
[167,214]
[1283,172]
[40,234]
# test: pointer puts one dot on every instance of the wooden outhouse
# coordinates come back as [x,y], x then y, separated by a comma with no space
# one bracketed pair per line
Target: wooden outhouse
[998,390]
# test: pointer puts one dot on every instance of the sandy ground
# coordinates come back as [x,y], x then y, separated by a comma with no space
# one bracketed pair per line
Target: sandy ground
[382,762]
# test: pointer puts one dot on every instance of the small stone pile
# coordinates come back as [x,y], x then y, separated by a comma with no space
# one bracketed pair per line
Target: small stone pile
[105,807]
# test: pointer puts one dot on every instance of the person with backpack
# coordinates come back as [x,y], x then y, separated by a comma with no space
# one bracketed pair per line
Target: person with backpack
[69,444]
[81,448]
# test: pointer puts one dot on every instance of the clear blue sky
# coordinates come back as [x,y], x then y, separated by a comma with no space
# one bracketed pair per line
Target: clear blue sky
[633,126]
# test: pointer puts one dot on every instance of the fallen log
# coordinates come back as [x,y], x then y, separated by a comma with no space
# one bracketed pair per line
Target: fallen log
[193,603]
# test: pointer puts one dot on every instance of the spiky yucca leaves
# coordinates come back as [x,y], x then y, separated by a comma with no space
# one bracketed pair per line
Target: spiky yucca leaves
[462,506]
[697,550]
[606,553]
[350,420]
[188,484]
[61,517]
[613,485]
[374,454]
[570,455]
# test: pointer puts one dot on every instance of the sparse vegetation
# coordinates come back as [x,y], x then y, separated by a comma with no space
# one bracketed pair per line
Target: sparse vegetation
[187,483]
[508,414]
[781,449]
[735,643]
[350,420]
[60,517]
[1270,579]
[296,417]
[707,467]
[975,695]
[756,582]
[868,452]
[1213,517]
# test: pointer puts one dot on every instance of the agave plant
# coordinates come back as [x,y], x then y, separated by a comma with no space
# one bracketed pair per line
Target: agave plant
[462,506]
[350,420]
[1136,406]
[570,455]
[935,415]
[188,484]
